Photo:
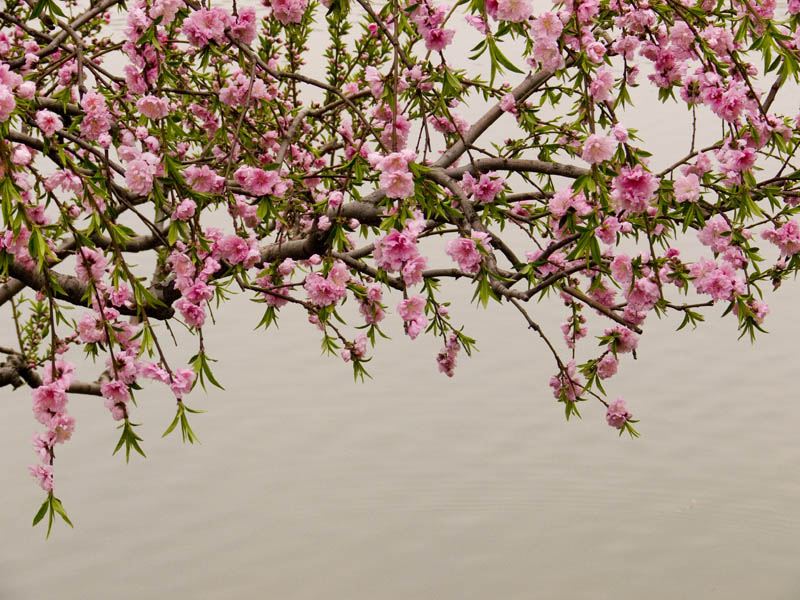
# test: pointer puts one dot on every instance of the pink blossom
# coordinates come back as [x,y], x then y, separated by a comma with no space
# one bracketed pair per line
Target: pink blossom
[26,90]
[515,11]
[624,340]
[395,249]
[166,9]
[546,27]
[411,308]
[288,11]
[687,188]
[116,391]
[256,182]
[607,366]
[596,51]
[49,122]
[621,269]
[479,24]
[139,176]
[601,86]
[567,384]
[374,80]
[713,234]
[185,210]
[412,270]
[607,231]
[323,291]
[204,26]
[43,475]
[617,414]
[182,380]
[48,400]
[97,119]
[203,179]
[244,29]
[620,133]
[446,359]
[61,427]
[412,311]
[786,237]
[633,189]
[598,148]
[63,373]
[437,39]
[397,184]
[488,187]
[7,103]
[233,249]
[719,281]
[193,314]
[465,252]
[94,261]
[153,107]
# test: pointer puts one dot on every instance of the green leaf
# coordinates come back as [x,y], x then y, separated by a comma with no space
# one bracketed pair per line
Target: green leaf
[42,510]
[174,423]
[129,439]
[38,9]
[59,508]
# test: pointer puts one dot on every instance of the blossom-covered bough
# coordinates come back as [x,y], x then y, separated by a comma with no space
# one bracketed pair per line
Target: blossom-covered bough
[189,156]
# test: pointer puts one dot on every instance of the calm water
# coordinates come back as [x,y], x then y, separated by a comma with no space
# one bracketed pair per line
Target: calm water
[307,485]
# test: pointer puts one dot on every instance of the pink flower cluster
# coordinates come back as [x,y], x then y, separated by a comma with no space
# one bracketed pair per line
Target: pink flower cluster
[97,118]
[515,11]
[486,188]
[623,340]
[607,366]
[719,281]
[237,88]
[10,81]
[193,285]
[412,311]
[357,350]
[617,414]
[287,11]
[546,30]
[598,148]
[633,189]
[397,251]
[50,409]
[141,168]
[258,182]
[326,291]
[465,251]
[786,237]
[396,181]
[153,107]
[565,200]
[90,263]
[567,384]
[204,179]
[207,25]
[713,234]
[49,122]
[429,21]
[370,307]
[641,293]
[446,359]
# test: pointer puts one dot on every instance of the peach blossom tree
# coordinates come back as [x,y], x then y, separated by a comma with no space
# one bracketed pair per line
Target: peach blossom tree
[159,158]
